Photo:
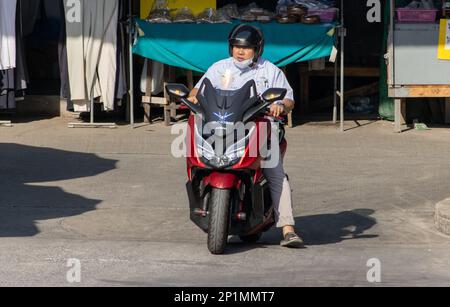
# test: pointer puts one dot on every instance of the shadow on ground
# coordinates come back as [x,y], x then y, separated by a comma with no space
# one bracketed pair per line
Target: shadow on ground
[322,229]
[23,203]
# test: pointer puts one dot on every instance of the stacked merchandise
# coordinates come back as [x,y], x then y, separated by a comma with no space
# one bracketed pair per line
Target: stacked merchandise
[161,13]
[288,11]
[306,11]
[422,11]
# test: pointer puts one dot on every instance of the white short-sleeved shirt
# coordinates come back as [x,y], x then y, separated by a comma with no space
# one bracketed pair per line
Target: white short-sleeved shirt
[225,75]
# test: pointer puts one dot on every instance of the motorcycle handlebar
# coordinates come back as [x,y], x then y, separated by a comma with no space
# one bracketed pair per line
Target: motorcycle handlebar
[196,108]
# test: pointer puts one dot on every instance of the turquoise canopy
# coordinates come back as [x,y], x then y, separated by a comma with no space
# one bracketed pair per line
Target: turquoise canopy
[197,46]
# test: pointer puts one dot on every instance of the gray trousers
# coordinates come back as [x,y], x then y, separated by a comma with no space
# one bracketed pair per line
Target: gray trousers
[280,190]
[92,51]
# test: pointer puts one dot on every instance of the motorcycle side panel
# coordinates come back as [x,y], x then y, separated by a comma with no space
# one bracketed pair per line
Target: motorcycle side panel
[192,157]
[195,202]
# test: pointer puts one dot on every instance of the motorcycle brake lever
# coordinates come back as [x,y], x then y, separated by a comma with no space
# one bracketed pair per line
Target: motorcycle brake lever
[280,119]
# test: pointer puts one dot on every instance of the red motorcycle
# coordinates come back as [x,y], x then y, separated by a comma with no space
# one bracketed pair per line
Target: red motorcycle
[227,191]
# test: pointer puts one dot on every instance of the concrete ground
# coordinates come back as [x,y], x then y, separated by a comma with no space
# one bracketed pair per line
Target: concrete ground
[115,200]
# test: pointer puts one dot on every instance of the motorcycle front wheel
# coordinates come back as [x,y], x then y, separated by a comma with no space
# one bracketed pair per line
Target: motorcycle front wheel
[219,208]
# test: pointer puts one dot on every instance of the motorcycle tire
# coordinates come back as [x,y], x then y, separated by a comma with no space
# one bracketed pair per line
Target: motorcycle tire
[251,239]
[219,208]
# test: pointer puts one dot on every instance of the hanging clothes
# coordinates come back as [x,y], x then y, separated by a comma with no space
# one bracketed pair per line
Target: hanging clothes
[13,73]
[157,81]
[7,92]
[63,64]
[91,28]
[30,13]
[21,71]
[8,34]
[121,83]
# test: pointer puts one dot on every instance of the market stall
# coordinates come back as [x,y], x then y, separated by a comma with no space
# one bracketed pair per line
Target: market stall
[418,61]
[195,46]
[104,73]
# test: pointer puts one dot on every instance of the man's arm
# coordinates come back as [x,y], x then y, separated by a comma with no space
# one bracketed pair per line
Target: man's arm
[193,96]
[277,110]
[289,105]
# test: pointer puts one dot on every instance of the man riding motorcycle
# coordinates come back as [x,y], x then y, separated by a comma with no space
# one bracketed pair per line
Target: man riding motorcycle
[246,45]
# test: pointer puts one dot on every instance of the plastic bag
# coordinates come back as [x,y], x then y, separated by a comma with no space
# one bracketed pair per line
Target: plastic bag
[421,4]
[413,5]
[231,10]
[160,13]
[360,105]
[222,17]
[253,12]
[315,4]
[248,9]
[248,17]
[207,16]
[266,18]
[184,15]
[282,10]
[160,5]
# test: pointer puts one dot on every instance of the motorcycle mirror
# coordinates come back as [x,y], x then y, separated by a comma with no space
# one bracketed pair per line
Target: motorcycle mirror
[274,94]
[177,90]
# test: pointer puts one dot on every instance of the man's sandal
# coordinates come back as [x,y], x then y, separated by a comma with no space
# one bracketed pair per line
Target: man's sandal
[292,240]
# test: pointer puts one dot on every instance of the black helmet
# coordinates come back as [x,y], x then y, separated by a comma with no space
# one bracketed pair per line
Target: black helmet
[247,36]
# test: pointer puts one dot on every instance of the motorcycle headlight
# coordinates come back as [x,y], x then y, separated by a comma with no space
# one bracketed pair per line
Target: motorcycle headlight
[232,155]
[237,150]
[204,149]
[221,162]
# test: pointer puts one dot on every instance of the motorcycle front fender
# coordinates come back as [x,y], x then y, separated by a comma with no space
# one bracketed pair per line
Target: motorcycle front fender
[223,180]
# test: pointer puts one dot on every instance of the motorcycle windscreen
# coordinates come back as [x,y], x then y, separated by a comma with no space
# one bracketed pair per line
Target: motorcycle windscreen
[223,131]
[225,107]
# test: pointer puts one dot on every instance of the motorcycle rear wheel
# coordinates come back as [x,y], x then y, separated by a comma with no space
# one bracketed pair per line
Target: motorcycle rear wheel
[219,208]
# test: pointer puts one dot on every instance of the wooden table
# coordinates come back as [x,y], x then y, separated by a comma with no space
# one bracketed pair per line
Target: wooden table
[170,107]
[329,71]
[401,93]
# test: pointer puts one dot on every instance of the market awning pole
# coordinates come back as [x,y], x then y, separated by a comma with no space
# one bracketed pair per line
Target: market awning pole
[92,105]
[92,123]
[131,33]
[335,91]
[342,65]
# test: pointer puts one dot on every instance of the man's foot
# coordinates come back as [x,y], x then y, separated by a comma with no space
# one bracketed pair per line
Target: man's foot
[292,240]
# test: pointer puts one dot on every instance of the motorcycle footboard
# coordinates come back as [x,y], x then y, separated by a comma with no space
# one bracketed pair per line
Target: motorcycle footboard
[266,225]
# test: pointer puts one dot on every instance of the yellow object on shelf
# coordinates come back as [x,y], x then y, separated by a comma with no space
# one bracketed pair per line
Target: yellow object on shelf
[444,40]
[196,6]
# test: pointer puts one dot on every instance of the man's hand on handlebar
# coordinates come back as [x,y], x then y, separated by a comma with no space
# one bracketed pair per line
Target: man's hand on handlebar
[277,110]
[193,99]
[193,96]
